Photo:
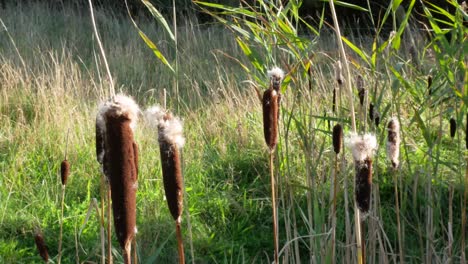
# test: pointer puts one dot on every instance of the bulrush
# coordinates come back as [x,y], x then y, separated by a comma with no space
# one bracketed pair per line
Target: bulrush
[393,141]
[453,127]
[361,89]
[171,141]
[362,148]
[374,115]
[338,73]
[116,122]
[41,246]
[270,102]
[337,138]
[64,171]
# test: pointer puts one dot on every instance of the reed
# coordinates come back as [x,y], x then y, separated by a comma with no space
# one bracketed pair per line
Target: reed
[270,103]
[171,141]
[64,173]
[393,154]
[337,141]
[41,246]
[119,116]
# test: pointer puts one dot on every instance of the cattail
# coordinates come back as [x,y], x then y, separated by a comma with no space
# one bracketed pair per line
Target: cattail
[338,73]
[429,85]
[362,148]
[334,101]
[100,143]
[270,102]
[64,171]
[171,140]
[393,142]
[337,138]
[360,88]
[41,247]
[116,123]
[371,112]
[453,127]
[374,115]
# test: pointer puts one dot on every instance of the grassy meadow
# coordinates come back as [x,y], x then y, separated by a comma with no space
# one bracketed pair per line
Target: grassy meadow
[52,78]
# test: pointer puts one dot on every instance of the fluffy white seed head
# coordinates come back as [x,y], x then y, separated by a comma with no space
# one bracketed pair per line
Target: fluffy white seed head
[393,141]
[276,73]
[154,115]
[362,146]
[171,130]
[122,105]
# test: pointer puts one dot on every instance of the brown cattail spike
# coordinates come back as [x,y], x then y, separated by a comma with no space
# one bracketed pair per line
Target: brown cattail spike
[64,171]
[41,247]
[337,138]
[363,184]
[119,119]
[334,101]
[371,112]
[393,142]
[360,88]
[429,85]
[453,127]
[362,148]
[270,104]
[374,115]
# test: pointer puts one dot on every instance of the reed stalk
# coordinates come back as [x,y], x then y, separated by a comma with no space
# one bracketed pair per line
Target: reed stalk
[270,105]
[171,141]
[115,124]
[64,173]
[337,145]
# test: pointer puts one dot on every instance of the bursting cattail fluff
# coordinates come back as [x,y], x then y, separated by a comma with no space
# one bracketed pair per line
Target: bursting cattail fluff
[64,171]
[393,142]
[171,140]
[360,88]
[337,138]
[453,127]
[362,148]
[338,73]
[41,246]
[270,104]
[116,122]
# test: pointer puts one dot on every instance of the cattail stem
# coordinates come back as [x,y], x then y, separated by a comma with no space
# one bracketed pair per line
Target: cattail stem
[273,204]
[180,242]
[127,254]
[397,209]
[465,195]
[450,224]
[135,255]
[109,225]
[357,225]
[59,257]
[335,189]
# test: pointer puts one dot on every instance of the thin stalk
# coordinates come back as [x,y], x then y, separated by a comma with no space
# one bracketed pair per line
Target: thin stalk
[273,204]
[335,188]
[353,119]
[176,63]
[346,204]
[135,255]
[465,195]
[59,258]
[101,49]
[429,216]
[397,205]
[180,243]
[450,224]
[109,226]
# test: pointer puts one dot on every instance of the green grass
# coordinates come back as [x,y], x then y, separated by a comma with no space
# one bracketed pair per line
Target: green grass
[225,159]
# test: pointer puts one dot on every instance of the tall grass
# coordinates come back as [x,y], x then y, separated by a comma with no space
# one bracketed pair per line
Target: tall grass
[49,65]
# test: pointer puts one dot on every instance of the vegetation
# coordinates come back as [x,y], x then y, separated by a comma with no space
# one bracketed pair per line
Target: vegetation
[52,79]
